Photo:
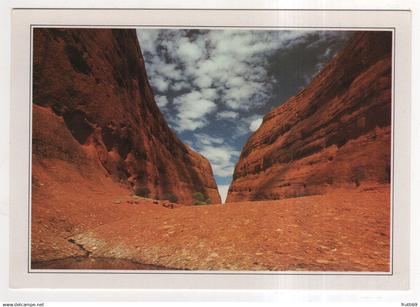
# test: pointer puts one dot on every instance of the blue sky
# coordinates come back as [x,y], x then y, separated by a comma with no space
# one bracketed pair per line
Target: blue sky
[214,86]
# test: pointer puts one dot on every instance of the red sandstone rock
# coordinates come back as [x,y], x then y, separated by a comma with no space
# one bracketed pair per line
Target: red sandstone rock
[334,133]
[342,231]
[94,111]
[83,218]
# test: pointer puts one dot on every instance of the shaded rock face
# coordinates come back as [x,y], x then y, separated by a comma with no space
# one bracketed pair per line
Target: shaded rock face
[94,109]
[334,133]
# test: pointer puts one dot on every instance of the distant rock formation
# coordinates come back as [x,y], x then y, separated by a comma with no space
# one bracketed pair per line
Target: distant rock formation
[94,111]
[334,133]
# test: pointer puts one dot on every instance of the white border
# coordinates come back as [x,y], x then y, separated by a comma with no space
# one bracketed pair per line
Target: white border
[22,19]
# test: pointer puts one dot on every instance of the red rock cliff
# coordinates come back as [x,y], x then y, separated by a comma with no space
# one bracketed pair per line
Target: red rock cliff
[334,133]
[94,110]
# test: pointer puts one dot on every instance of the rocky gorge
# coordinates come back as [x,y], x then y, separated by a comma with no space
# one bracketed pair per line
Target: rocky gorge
[113,186]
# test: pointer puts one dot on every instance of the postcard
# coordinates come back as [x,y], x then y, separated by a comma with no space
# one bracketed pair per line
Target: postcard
[210,149]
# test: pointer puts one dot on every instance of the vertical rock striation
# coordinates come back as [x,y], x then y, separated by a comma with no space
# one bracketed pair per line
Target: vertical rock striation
[334,133]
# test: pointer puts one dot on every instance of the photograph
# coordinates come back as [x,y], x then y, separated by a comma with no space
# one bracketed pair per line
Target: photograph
[216,149]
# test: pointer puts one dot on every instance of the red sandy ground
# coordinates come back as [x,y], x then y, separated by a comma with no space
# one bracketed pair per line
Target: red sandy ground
[346,230]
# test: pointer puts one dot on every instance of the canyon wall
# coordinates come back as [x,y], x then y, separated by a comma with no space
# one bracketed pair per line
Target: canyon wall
[335,133]
[94,116]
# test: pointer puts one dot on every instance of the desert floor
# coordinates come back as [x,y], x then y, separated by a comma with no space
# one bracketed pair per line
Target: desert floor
[346,230]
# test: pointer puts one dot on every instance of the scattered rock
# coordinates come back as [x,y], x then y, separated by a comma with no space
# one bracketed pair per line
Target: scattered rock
[168,205]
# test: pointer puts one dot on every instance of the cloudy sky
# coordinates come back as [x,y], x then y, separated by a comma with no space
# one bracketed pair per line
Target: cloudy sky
[214,86]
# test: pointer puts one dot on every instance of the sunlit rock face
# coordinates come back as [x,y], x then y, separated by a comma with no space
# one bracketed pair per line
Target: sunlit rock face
[334,133]
[95,112]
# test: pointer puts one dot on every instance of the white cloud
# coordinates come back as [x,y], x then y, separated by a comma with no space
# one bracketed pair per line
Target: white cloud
[227,115]
[223,191]
[236,81]
[327,53]
[209,93]
[147,39]
[222,158]
[225,66]
[189,51]
[170,71]
[221,155]
[241,129]
[203,81]
[243,97]
[246,125]
[255,124]
[192,110]
[161,84]
[205,139]
[180,85]
[161,101]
